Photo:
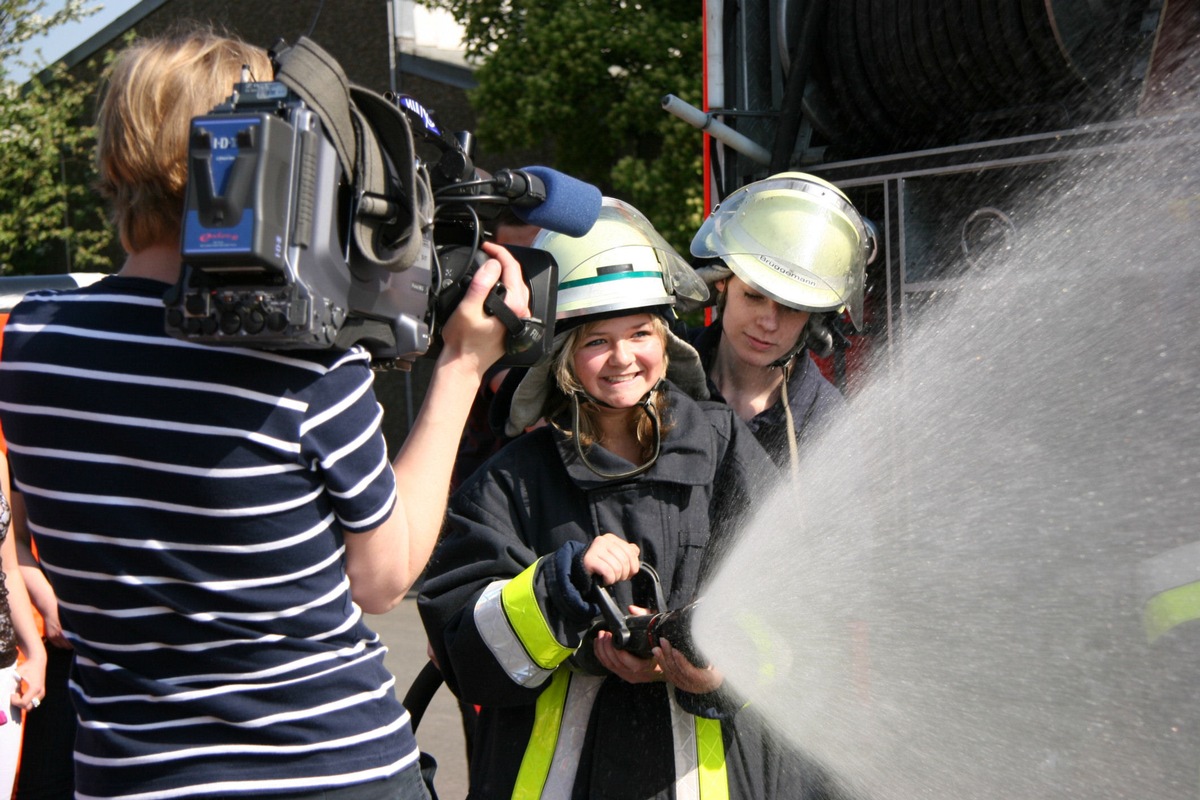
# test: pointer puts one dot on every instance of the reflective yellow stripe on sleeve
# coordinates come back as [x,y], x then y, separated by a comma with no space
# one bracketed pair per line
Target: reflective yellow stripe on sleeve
[539,754]
[1170,608]
[521,607]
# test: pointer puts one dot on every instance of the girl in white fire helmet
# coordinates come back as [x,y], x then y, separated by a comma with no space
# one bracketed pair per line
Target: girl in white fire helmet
[784,254]
[634,467]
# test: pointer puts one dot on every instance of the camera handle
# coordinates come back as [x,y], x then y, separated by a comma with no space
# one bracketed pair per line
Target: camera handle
[523,333]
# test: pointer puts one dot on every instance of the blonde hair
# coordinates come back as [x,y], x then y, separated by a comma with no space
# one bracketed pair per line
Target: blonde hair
[564,375]
[153,90]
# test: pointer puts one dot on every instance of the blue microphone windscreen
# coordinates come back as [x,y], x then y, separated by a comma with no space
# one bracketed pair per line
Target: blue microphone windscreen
[571,205]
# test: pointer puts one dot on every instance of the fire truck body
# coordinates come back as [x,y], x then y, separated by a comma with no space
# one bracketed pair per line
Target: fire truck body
[939,118]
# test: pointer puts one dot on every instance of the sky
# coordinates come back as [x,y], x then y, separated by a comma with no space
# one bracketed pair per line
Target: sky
[65,38]
[435,32]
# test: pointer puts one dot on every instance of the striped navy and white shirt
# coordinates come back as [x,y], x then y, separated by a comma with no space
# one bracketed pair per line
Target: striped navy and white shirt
[189,505]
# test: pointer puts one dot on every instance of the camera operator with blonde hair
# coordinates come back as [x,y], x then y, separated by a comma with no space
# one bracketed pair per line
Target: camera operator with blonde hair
[215,520]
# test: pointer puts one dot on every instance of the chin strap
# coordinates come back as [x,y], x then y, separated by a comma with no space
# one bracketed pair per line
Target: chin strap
[646,404]
[793,447]
[816,337]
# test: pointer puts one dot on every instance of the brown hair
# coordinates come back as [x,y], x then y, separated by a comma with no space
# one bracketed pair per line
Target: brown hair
[564,374]
[153,90]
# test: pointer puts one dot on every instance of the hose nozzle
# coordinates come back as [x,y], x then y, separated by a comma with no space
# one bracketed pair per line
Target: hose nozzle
[646,632]
[639,634]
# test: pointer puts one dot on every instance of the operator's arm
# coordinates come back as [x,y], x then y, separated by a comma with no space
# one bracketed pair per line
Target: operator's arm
[383,563]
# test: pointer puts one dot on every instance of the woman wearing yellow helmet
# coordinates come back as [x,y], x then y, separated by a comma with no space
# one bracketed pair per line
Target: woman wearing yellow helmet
[783,254]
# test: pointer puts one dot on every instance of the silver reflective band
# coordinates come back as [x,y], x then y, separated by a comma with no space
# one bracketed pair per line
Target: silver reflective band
[501,639]
[577,710]
[687,762]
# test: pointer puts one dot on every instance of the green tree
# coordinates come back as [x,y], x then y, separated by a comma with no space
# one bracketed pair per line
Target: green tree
[586,78]
[50,219]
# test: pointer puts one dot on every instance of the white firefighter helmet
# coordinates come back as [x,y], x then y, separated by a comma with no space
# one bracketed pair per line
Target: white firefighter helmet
[621,263]
[796,239]
[622,266]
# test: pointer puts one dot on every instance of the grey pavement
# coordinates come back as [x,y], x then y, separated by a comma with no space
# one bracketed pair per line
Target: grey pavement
[440,730]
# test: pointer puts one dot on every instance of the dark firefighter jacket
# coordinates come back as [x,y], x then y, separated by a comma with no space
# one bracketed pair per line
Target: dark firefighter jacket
[501,628]
[811,397]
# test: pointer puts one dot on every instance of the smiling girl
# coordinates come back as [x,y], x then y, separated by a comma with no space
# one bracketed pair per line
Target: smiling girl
[634,468]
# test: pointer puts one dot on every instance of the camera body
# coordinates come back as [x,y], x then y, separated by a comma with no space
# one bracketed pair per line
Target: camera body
[265,243]
[273,250]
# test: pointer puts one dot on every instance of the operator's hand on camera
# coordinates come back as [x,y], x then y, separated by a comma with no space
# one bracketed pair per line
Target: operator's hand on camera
[683,674]
[471,333]
[611,559]
[622,663]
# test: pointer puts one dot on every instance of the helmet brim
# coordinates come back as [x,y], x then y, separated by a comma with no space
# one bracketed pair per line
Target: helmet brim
[796,239]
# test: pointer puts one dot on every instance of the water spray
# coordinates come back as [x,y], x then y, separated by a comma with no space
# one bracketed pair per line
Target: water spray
[963,602]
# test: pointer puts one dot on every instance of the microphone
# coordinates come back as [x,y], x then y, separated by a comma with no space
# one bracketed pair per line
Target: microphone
[550,199]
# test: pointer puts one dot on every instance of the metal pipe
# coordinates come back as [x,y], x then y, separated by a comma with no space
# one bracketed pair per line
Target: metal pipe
[708,123]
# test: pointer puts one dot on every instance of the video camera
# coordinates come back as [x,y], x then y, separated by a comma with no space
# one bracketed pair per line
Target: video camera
[311,222]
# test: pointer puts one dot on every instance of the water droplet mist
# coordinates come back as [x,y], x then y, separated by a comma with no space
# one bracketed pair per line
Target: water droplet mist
[951,602]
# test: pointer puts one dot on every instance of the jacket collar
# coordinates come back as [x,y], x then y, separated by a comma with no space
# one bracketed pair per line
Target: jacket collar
[688,441]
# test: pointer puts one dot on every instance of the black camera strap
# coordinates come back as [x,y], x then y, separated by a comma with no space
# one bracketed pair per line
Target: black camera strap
[387,170]
[375,146]
[319,81]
